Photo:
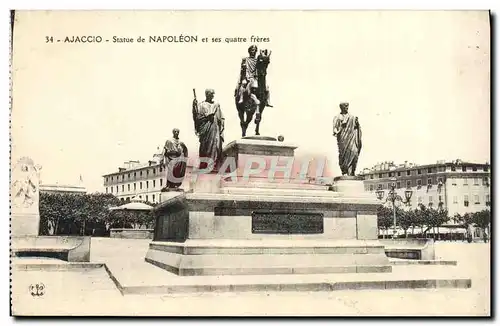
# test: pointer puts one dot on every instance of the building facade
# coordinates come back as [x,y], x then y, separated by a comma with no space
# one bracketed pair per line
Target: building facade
[460,187]
[143,181]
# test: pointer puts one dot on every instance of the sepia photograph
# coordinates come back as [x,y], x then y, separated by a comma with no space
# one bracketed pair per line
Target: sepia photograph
[250,163]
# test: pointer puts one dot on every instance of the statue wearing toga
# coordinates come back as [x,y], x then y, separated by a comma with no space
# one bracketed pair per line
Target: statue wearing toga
[348,132]
[209,126]
[175,155]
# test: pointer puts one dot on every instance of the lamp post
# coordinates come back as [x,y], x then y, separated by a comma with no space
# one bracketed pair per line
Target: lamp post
[393,197]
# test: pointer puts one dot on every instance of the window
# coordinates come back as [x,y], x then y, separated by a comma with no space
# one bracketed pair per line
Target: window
[161,182]
[391,174]
[106,189]
[408,172]
[380,175]
[159,198]
[398,184]
[161,169]
[474,168]
[116,189]
[429,182]
[430,199]
[371,176]
[140,197]
[128,186]
[147,184]
[453,182]
[112,178]
[128,176]
[140,173]
[123,177]
[465,181]
[140,185]
[135,174]
[429,170]
[111,189]
[419,171]
[399,174]
[153,198]
[485,169]
[455,199]
[466,200]
[123,187]
[106,179]
[476,181]
[379,186]
[476,199]
[408,183]
[440,198]
[135,186]
[154,183]
[389,185]
[419,183]
[146,197]
[453,168]
[147,172]
[154,172]
[487,200]
[464,169]
[371,186]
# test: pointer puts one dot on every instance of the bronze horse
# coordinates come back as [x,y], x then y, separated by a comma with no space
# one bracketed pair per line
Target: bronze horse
[248,107]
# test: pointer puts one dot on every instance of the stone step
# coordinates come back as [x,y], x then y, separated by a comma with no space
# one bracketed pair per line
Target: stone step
[265,184]
[278,192]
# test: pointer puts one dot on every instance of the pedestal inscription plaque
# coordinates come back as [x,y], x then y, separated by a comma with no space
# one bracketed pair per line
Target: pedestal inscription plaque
[287,222]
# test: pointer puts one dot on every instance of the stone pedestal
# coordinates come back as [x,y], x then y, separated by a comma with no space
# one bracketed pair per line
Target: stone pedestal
[260,226]
[25,196]
[25,220]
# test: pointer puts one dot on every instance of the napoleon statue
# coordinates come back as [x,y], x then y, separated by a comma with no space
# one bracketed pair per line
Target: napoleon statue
[209,127]
[348,132]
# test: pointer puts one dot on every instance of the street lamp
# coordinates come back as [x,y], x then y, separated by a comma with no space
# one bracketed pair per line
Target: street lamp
[393,197]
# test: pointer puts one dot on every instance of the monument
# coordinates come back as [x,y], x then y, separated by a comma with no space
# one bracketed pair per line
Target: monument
[25,220]
[25,196]
[266,220]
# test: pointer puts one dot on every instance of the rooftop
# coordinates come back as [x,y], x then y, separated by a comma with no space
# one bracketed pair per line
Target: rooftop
[391,166]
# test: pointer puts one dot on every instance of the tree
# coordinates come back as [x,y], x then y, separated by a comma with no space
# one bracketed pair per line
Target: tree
[405,219]
[482,219]
[384,217]
[74,213]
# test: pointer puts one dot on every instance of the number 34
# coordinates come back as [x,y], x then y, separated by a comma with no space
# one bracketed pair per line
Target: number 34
[49,39]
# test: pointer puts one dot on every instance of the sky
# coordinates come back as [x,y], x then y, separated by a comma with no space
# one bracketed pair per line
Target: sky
[418,81]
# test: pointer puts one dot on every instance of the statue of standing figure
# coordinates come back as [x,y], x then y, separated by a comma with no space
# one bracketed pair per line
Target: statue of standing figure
[175,154]
[348,132]
[209,127]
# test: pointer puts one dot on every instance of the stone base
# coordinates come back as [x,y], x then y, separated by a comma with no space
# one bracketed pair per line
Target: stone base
[24,224]
[131,233]
[269,257]
[350,186]
[418,249]
[67,248]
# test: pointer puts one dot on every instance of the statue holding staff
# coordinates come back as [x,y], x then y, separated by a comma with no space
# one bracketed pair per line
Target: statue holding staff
[209,127]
